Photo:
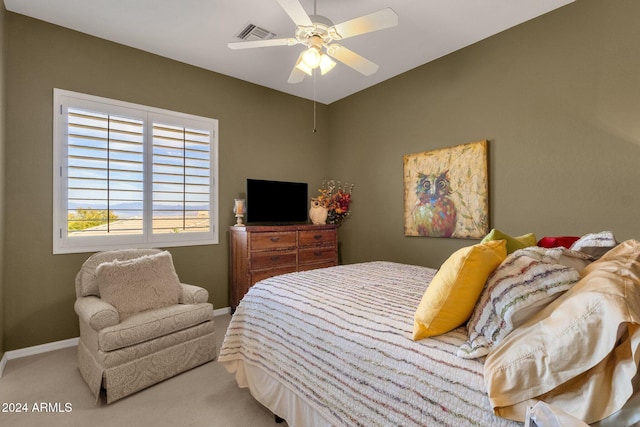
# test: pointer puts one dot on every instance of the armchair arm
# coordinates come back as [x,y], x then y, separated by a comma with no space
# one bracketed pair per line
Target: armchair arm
[96,313]
[193,294]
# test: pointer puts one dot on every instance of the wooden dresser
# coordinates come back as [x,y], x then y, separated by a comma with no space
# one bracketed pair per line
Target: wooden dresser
[258,252]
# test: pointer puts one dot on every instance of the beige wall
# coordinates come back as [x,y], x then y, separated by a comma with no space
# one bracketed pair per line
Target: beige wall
[558,98]
[263,134]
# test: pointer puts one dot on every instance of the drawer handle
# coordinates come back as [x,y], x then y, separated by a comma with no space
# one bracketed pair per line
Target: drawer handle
[318,236]
[317,253]
[275,258]
[275,239]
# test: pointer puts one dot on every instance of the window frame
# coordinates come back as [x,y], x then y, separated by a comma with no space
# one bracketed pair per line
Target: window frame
[62,242]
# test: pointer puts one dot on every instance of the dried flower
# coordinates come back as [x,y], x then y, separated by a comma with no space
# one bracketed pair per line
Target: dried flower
[336,197]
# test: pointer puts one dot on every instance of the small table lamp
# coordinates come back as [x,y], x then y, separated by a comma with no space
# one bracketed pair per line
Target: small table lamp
[238,209]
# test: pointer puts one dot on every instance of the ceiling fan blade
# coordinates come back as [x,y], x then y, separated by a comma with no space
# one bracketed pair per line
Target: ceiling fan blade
[296,76]
[262,43]
[352,59]
[385,18]
[296,12]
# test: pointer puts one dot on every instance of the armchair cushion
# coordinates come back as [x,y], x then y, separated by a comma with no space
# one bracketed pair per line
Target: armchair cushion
[139,284]
[152,324]
[86,278]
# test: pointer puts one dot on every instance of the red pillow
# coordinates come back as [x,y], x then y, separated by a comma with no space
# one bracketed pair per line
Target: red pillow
[554,242]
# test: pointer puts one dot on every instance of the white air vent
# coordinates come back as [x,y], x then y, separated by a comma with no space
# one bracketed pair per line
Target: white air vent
[253,32]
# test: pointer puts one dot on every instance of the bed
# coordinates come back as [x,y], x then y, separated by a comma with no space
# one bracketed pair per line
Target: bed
[335,347]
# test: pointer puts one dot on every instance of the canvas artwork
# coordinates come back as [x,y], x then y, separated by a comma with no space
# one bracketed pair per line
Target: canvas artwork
[446,192]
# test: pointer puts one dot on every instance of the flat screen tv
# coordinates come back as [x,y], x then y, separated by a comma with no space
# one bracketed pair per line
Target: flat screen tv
[276,202]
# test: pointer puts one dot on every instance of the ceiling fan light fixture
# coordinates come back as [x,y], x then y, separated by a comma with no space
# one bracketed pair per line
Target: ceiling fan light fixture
[311,57]
[326,64]
[300,65]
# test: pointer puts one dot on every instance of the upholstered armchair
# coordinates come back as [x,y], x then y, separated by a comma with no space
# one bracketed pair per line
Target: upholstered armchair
[138,324]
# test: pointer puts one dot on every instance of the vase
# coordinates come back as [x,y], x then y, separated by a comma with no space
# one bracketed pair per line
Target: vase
[318,213]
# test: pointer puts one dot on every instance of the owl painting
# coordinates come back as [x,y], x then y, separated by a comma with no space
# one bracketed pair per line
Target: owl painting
[446,192]
[434,213]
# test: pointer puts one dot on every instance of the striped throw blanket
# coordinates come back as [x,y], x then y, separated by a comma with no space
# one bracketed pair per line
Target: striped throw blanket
[340,338]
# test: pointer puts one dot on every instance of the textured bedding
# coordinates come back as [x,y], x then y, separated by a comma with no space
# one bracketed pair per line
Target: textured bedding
[339,339]
[582,351]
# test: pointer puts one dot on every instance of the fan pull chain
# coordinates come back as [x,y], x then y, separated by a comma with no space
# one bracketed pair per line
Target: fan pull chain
[315,129]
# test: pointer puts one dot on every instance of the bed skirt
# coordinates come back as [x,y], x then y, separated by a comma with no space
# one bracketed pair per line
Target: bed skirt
[275,396]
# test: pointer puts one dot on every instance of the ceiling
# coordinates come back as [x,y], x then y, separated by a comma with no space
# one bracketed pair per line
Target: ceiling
[196,32]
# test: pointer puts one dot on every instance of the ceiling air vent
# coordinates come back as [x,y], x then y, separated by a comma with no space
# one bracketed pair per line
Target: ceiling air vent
[253,32]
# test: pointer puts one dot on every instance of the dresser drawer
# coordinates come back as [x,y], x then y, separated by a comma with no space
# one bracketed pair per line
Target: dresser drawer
[317,237]
[275,240]
[256,276]
[273,259]
[319,254]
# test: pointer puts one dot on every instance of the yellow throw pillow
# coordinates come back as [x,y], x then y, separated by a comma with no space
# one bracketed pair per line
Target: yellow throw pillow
[452,294]
[513,243]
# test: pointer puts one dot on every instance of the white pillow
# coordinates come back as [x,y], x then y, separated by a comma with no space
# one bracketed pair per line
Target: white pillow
[595,244]
[522,285]
[139,284]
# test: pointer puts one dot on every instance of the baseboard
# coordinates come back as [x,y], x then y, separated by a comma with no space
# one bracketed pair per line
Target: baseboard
[3,363]
[58,345]
[42,348]
[221,311]
[36,349]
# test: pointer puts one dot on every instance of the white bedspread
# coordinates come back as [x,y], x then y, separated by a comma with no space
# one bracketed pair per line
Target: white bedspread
[340,339]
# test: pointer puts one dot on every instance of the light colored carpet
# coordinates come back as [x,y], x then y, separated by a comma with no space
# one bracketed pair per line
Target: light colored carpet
[204,396]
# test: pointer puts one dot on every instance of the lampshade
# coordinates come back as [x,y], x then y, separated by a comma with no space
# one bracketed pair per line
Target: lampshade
[311,57]
[300,65]
[326,64]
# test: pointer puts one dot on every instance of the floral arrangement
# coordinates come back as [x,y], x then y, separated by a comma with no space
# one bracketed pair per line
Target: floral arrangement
[336,197]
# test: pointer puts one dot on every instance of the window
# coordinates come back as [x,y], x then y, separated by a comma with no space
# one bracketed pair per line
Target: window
[127,175]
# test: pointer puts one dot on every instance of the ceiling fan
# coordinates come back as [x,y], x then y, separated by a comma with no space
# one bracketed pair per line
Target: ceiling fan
[318,34]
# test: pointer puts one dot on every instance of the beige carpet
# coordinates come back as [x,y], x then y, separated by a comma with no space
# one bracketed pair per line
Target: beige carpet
[204,396]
